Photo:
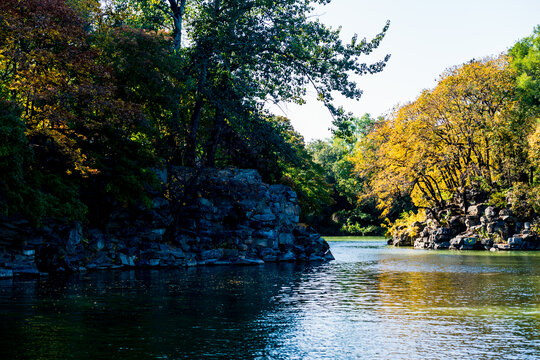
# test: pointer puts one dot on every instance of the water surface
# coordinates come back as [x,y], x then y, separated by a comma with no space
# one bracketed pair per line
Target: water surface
[373,302]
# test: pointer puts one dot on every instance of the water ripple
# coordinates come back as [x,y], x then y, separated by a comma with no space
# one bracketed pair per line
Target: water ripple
[373,302]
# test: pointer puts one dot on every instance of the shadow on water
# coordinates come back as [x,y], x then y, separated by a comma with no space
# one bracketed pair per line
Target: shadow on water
[373,302]
[186,313]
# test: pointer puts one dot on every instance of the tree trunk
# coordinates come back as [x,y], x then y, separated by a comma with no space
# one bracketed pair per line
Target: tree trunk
[215,138]
[192,138]
[177,9]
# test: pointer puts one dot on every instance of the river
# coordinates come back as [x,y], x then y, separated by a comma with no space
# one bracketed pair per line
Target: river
[372,302]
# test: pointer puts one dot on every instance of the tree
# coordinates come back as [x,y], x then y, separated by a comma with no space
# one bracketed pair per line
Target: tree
[279,154]
[144,73]
[346,214]
[80,134]
[13,154]
[525,58]
[237,55]
[468,129]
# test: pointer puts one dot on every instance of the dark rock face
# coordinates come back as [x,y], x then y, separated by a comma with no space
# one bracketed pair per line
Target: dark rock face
[212,217]
[235,210]
[482,228]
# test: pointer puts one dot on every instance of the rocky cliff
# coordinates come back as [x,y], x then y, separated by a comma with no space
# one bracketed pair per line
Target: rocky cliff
[206,217]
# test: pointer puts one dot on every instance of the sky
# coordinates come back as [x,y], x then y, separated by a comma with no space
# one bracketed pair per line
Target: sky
[424,39]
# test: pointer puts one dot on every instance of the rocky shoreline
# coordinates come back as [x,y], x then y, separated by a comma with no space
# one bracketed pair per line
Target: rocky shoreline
[484,227]
[210,217]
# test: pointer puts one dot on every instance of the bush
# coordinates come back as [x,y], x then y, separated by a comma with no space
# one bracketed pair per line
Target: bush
[407,223]
[524,200]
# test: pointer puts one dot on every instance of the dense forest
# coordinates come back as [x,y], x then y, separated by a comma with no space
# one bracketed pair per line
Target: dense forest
[96,98]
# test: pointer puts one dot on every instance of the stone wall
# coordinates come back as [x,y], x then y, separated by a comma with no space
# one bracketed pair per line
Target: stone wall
[208,217]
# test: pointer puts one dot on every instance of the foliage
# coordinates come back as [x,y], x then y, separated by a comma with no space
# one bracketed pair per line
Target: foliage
[407,223]
[239,55]
[498,199]
[475,135]
[524,200]
[355,129]
[534,150]
[525,58]
[81,135]
[96,94]
[13,153]
[279,153]
[25,190]
[308,182]
[363,220]
[89,11]
[332,156]
[437,147]
[144,71]
[141,14]
[347,214]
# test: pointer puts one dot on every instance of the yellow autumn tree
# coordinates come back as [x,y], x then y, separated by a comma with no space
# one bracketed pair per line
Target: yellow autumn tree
[465,131]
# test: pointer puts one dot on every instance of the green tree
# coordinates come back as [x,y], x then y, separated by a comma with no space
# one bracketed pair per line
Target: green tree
[347,213]
[14,153]
[525,58]
[238,55]
[278,152]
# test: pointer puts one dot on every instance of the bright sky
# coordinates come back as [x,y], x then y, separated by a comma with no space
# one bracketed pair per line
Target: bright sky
[425,38]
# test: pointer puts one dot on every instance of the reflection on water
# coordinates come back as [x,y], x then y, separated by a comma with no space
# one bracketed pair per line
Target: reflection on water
[373,302]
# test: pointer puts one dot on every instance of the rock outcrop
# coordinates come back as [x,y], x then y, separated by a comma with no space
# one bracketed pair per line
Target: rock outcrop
[482,228]
[210,217]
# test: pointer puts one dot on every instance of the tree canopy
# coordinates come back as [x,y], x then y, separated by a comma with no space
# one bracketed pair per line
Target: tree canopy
[475,135]
[96,95]
[236,56]
[467,129]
